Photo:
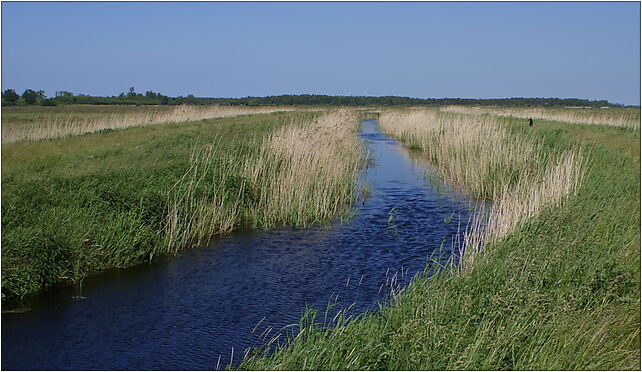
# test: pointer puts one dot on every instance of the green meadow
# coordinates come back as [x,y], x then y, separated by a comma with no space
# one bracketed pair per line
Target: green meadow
[553,283]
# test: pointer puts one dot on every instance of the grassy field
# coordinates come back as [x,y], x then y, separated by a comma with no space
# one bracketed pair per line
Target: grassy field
[78,205]
[556,286]
[618,117]
[31,123]
[560,290]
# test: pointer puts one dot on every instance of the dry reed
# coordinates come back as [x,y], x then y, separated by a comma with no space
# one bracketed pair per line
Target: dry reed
[60,126]
[619,118]
[303,173]
[524,200]
[478,153]
[474,152]
[200,203]
[307,171]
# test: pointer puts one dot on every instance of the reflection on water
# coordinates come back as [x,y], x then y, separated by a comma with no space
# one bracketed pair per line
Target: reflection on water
[185,312]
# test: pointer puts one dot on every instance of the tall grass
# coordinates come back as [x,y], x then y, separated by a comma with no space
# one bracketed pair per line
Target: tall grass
[628,118]
[307,172]
[478,153]
[55,126]
[561,291]
[303,173]
[202,203]
[78,205]
[522,201]
[474,152]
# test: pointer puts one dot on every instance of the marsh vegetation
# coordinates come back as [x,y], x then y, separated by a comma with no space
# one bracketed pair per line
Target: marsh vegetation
[617,117]
[548,275]
[557,283]
[480,154]
[78,205]
[303,172]
[20,124]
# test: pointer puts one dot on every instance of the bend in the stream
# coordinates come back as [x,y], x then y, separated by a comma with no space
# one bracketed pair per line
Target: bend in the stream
[184,312]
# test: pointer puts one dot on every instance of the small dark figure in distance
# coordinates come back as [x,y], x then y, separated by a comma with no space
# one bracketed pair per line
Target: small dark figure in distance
[530,123]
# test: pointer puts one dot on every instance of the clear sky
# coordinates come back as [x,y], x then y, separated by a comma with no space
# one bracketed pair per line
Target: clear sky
[477,50]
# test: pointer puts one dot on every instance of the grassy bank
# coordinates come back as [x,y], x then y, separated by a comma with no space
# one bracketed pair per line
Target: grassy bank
[78,205]
[561,290]
[484,156]
[618,117]
[32,123]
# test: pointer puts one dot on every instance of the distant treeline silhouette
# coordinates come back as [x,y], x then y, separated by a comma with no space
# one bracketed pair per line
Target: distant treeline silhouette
[31,97]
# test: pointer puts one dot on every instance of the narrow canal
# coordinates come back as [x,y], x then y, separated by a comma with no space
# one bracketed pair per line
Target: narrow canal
[187,312]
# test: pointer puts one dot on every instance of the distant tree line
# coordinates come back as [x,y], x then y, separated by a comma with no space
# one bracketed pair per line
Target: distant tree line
[31,97]
[309,99]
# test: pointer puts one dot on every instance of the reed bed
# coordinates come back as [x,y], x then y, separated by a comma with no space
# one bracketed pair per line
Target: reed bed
[478,153]
[202,203]
[307,172]
[55,126]
[303,173]
[627,118]
[562,292]
[134,195]
[524,200]
[474,152]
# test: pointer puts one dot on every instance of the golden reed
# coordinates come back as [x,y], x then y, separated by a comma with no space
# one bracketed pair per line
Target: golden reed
[478,153]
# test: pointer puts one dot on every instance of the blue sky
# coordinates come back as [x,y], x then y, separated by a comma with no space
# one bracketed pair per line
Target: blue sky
[478,50]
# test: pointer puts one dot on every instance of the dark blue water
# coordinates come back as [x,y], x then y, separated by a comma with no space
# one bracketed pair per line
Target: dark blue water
[186,312]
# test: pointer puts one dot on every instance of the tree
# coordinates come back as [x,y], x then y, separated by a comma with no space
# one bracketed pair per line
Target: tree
[30,96]
[48,102]
[190,99]
[132,93]
[10,97]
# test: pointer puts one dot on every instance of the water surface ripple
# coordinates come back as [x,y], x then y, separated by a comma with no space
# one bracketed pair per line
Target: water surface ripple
[182,313]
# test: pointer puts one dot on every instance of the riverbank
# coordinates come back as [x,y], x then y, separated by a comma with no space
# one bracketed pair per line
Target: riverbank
[242,289]
[83,204]
[560,292]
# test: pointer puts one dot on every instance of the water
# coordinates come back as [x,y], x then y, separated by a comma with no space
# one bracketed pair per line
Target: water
[183,313]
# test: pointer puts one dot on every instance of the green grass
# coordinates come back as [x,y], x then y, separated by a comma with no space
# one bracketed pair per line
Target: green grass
[21,115]
[74,109]
[619,138]
[78,205]
[562,292]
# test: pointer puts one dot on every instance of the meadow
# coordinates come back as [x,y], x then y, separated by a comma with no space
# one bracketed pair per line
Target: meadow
[618,117]
[30,123]
[77,205]
[549,278]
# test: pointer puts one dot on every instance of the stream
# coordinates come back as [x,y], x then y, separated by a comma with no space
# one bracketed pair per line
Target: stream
[190,312]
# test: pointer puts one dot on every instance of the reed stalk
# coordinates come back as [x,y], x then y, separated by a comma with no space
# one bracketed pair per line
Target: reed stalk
[201,202]
[307,171]
[517,204]
[301,174]
[478,153]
